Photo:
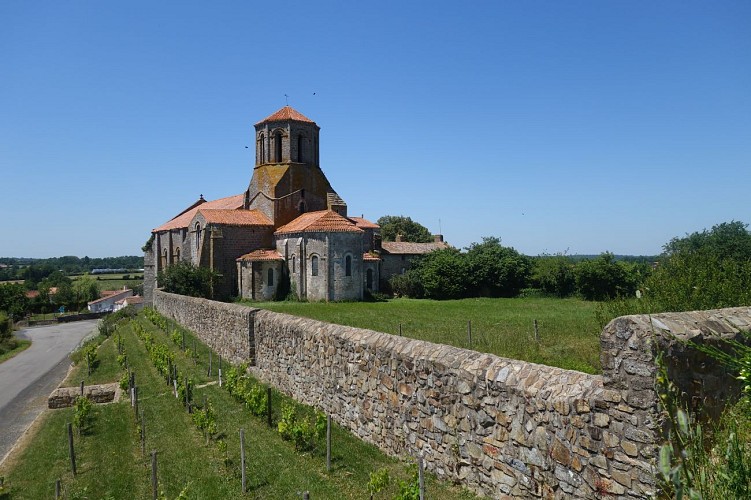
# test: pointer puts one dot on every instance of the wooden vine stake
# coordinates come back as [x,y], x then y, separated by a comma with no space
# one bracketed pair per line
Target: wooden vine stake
[242,459]
[154,482]
[328,443]
[421,477]
[71,451]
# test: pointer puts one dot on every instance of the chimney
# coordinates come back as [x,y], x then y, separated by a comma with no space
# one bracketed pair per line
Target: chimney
[398,238]
[438,238]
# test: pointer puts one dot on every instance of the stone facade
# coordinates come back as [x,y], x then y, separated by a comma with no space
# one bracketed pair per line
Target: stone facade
[505,428]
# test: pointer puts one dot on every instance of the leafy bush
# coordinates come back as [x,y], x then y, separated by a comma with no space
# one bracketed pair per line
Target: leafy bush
[495,270]
[82,413]
[407,285]
[303,432]
[603,278]
[554,274]
[378,481]
[186,279]
[444,274]
[205,420]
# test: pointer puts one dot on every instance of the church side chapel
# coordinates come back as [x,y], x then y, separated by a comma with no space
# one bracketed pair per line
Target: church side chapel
[287,233]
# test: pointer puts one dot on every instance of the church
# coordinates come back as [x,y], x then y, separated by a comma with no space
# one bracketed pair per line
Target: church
[287,233]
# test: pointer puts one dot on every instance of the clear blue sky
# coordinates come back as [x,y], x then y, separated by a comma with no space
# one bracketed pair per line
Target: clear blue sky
[580,125]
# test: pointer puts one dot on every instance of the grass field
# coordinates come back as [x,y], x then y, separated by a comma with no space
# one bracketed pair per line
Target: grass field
[115,281]
[568,332]
[111,465]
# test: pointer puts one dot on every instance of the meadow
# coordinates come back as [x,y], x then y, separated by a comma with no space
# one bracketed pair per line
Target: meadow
[567,329]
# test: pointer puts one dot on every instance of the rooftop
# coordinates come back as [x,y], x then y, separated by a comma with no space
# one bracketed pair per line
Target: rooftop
[286,113]
[408,248]
[182,219]
[230,217]
[323,221]
[262,255]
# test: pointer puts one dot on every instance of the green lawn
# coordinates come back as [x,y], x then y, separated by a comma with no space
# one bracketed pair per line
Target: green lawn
[111,465]
[568,330]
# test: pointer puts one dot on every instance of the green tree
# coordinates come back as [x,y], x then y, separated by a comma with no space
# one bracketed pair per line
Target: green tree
[86,289]
[13,300]
[444,274]
[495,270]
[554,275]
[704,270]
[393,225]
[603,278]
[64,295]
[186,279]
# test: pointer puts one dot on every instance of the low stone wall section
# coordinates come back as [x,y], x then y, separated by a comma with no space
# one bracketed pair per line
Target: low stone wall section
[226,328]
[504,428]
[64,397]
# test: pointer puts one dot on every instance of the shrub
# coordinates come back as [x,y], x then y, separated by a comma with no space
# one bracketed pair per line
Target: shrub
[186,279]
[82,413]
[603,278]
[303,432]
[495,270]
[554,275]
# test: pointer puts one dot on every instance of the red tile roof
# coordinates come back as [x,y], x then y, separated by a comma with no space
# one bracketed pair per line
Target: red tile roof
[259,255]
[31,294]
[235,217]
[407,248]
[370,256]
[320,222]
[183,219]
[286,113]
[115,296]
[364,223]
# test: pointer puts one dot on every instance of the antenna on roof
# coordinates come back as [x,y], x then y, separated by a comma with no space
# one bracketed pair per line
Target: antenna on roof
[286,98]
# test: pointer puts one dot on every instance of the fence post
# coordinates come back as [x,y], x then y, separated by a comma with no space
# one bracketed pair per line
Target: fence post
[537,333]
[154,482]
[143,433]
[210,356]
[328,443]
[421,477]
[57,489]
[242,458]
[71,450]
[268,405]
[469,332]
[400,329]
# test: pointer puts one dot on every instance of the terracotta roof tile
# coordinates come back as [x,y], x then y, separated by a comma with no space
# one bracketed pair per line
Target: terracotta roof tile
[320,222]
[235,217]
[370,256]
[286,113]
[261,255]
[364,223]
[183,219]
[407,248]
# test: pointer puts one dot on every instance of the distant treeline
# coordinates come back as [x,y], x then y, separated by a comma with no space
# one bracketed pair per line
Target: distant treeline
[15,268]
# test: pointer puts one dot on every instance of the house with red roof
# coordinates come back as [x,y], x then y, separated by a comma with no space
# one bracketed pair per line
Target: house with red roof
[288,232]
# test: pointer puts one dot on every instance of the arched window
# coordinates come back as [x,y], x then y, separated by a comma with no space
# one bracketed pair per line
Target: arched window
[369,279]
[348,265]
[278,147]
[177,254]
[300,148]
[294,265]
[262,149]
[271,276]
[164,258]
[198,236]
[314,265]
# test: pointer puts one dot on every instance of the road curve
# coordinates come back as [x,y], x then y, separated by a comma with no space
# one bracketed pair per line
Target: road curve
[27,379]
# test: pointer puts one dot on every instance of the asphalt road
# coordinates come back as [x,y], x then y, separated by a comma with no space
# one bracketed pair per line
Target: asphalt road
[27,379]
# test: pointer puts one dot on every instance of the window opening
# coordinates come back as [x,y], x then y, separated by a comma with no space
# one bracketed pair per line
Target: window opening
[314,265]
[369,279]
[348,265]
[278,147]
[271,277]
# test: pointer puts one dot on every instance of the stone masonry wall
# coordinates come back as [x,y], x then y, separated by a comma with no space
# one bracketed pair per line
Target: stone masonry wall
[226,328]
[505,428]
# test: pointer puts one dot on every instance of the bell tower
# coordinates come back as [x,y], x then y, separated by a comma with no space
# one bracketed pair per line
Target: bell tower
[287,136]
[287,178]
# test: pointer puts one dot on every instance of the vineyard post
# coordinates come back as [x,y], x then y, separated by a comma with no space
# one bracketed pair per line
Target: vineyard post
[154,482]
[469,332]
[57,489]
[220,370]
[421,477]
[81,388]
[71,451]
[328,443]
[268,405]
[242,458]
[143,433]
[210,360]
[537,333]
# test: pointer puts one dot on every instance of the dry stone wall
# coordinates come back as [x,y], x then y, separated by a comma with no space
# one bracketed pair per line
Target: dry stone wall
[504,428]
[226,328]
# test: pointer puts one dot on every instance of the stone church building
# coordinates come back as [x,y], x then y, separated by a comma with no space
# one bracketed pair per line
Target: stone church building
[289,232]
